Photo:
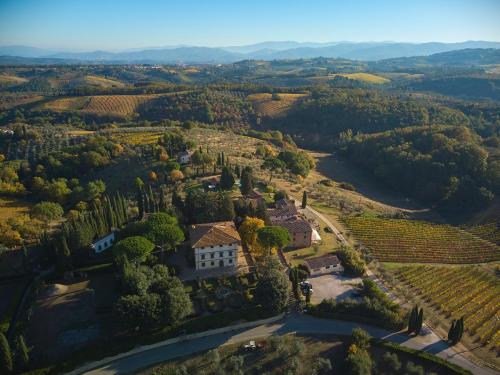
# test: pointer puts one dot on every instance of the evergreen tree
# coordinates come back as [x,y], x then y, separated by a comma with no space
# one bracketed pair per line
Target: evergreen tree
[246,181]
[22,358]
[140,201]
[420,321]
[237,171]
[63,255]
[304,199]
[452,333]
[412,321]
[6,365]
[226,179]
[227,209]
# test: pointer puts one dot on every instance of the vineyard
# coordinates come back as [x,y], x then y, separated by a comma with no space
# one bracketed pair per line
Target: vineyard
[265,105]
[490,231]
[391,240]
[121,105]
[101,81]
[464,291]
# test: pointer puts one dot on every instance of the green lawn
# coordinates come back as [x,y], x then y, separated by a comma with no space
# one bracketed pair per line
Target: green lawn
[328,244]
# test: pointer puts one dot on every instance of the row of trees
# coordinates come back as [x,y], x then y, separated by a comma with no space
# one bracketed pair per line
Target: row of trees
[13,359]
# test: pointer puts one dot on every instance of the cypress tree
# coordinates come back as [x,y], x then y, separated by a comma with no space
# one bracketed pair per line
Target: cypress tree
[246,181]
[6,365]
[227,209]
[226,179]
[412,321]
[304,199]
[22,358]
[452,332]
[420,321]
[140,201]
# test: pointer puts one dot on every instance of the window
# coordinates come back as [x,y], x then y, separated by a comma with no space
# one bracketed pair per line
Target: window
[202,264]
[202,256]
[212,246]
[111,240]
[221,254]
[212,263]
[230,253]
[230,261]
[105,243]
[99,247]
[212,256]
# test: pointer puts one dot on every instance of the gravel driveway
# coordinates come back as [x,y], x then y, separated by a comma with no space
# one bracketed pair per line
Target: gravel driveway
[332,286]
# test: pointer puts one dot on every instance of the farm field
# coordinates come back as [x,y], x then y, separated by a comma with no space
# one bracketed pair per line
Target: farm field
[102,81]
[365,77]
[6,80]
[490,231]
[396,240]
[459,291]
[265,105]
[121,105]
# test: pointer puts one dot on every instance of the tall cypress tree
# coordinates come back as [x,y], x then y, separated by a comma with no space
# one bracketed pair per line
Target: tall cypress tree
[227,208]
[420,321]
[304,199]
[452,333]
[6,365]
[246,181]
[226,179]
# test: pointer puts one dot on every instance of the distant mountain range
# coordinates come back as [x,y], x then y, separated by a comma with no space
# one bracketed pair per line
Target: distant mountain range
[369,51]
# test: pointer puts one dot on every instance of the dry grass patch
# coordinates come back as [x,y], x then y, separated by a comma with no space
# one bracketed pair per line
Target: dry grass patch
[11,208]
[265,104]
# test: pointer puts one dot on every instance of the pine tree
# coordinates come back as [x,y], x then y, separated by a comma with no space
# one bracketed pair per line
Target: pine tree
[304,199]
[6,365]
[22,358]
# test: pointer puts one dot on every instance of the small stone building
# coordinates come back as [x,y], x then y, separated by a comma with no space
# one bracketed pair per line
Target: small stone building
[324,264]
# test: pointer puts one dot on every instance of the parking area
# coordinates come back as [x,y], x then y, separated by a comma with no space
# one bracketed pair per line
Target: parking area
[334,286]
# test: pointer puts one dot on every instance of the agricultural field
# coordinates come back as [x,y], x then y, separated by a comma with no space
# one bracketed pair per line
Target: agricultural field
[364,77]
[264,104]
[458,291]
[14,99]
[397,240]
[490,231]
[143,137]
[118,105]
[9,80]
[93,80]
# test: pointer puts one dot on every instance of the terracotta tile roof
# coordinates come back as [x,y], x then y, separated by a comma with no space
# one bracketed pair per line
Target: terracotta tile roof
[254,195]
[286,210]
[210,234]
[295,225]
[322,261]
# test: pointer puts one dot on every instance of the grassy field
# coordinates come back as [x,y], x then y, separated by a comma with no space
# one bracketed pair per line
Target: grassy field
[391,240]
[457,291]
[365,77]
[10,208]
[328,244]
[7,80]
[265,105]
[102,81]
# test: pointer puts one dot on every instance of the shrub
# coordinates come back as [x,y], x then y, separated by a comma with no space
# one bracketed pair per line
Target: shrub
[353,263]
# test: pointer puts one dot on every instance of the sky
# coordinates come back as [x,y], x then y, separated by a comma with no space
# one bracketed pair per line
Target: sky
[123,24]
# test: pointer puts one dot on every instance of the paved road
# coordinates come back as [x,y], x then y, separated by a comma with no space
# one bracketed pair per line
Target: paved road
[292,324]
